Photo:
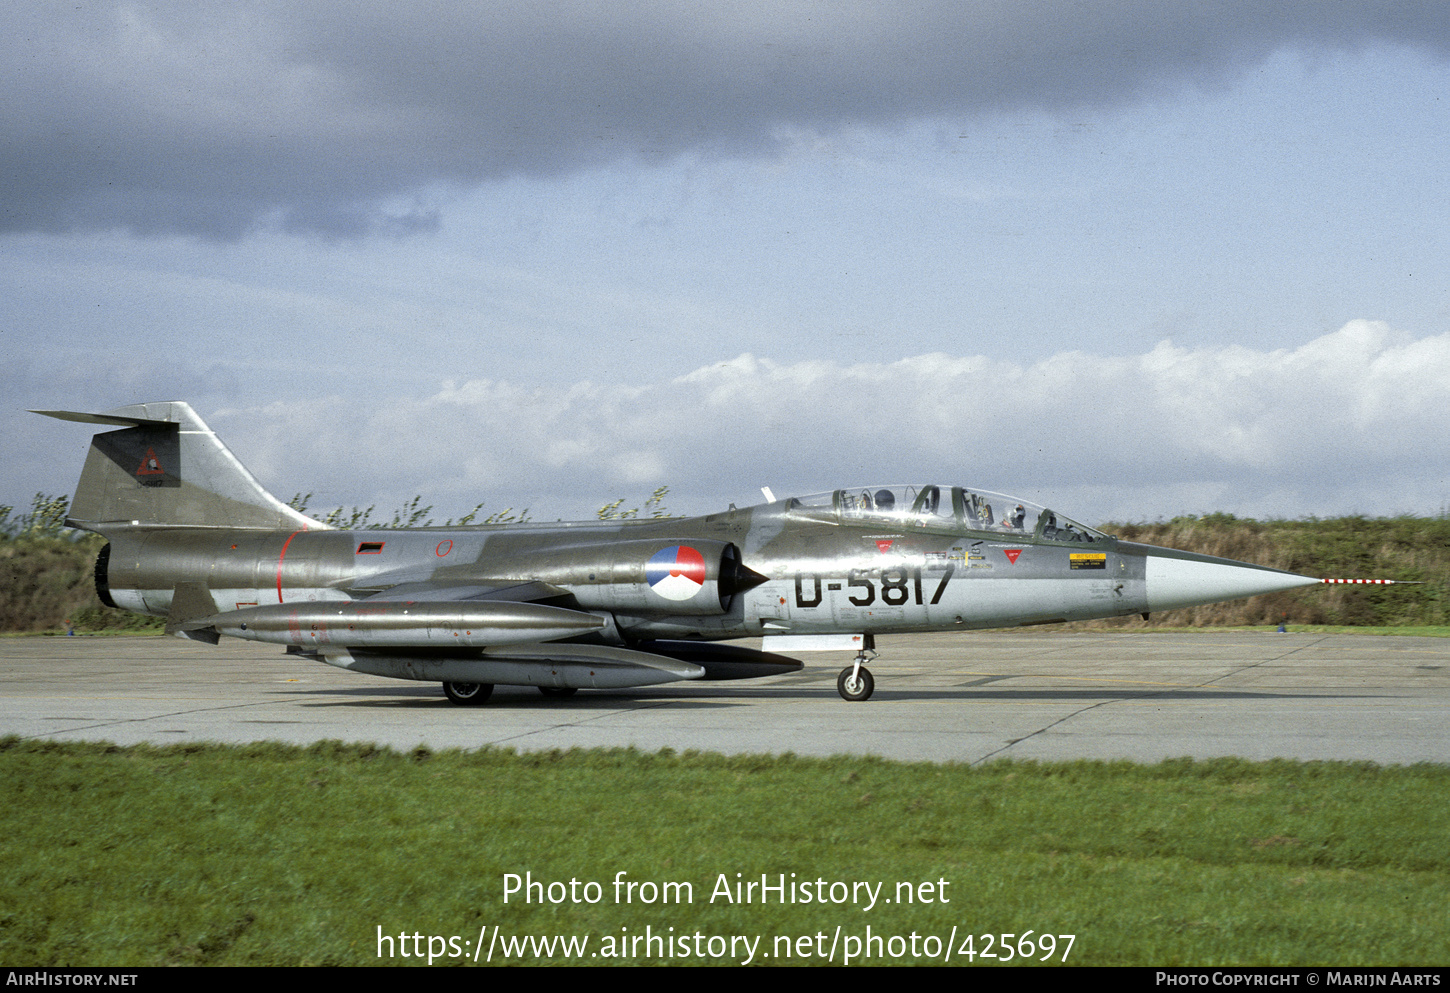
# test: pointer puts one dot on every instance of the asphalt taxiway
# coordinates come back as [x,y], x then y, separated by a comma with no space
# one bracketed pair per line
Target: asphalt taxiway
[962,697]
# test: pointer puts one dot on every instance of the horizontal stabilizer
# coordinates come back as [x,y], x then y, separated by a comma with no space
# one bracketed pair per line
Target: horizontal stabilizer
[114,419]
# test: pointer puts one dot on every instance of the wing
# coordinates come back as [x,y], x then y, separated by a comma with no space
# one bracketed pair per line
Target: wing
[533,592]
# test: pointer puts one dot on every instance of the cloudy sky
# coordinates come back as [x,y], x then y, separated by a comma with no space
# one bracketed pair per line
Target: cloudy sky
[1128,259]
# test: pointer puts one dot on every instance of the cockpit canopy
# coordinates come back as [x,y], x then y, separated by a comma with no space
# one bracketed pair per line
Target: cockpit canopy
[948,508]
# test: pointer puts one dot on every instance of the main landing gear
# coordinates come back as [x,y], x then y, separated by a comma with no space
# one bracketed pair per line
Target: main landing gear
[468,694]
[855,682]
[472,694]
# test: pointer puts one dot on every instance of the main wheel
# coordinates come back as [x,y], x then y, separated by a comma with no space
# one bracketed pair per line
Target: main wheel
[558,690]
[467,694]
[856,689]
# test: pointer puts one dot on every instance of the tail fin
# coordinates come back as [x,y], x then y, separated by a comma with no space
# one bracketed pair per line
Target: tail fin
[166,467]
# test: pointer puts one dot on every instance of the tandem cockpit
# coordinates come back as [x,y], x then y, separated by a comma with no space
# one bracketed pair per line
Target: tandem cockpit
[943,508]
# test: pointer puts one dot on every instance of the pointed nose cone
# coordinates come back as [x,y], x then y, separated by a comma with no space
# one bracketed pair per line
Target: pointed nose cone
[1183,579]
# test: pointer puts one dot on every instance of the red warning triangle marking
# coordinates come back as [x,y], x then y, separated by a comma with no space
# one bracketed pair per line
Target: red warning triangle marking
[883,546]
[150,465]
[1012,554]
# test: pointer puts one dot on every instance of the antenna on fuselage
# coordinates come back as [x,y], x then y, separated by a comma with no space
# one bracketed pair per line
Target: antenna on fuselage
[769,496]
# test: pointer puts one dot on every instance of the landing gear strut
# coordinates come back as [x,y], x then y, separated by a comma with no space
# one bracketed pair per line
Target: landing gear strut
[855,682]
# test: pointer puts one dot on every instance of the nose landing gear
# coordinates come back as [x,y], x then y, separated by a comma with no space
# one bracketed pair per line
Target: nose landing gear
[855,682]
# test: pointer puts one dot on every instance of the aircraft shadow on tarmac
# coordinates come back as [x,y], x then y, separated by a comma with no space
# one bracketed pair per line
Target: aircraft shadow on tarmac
[528,698]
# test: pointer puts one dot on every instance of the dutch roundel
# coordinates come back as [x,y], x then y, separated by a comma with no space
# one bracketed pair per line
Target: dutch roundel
[676,573]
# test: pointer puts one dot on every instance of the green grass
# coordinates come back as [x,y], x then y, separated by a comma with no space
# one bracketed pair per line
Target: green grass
[268,854]
[46,581]
[1405,549]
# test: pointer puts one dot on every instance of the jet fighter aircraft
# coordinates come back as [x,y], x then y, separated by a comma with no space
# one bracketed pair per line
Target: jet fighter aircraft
[194,537]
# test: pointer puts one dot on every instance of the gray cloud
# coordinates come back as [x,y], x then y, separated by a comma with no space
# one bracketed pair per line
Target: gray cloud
[214,120]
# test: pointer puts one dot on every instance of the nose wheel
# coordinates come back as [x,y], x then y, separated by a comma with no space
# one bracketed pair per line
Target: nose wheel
[855,682]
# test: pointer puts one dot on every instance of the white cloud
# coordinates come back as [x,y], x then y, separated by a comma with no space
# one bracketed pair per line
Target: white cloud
[1348,422]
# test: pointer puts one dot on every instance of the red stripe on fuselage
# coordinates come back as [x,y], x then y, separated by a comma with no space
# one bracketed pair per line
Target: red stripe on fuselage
[280,556]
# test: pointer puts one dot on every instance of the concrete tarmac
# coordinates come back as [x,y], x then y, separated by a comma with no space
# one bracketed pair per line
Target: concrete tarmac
[958,697]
